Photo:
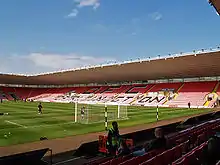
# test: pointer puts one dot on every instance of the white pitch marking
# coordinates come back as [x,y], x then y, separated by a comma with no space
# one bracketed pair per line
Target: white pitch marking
[51,125]
[15,123]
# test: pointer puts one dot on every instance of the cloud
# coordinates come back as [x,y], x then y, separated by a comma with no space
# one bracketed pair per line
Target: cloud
[156,16]
[73,13]
[83,3]
[40,62]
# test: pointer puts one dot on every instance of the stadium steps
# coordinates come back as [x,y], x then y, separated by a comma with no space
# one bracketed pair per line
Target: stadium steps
[176,95]
[180,88]
[30,93]
[207,103]
[150,88]
[133,101]
[216,87]
[165,102]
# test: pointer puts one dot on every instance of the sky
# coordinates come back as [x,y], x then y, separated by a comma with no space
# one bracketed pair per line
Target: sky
[51,35]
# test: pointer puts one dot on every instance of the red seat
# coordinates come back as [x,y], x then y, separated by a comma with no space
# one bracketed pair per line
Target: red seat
[129,162]
[127,157]
[106,163]
[143,158]
[179,162]
[99,161]
[166,157]
[152,161]
[177,152]
[103,144]
[116,161]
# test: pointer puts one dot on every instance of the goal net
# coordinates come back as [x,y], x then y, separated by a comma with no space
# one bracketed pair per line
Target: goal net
[95,113]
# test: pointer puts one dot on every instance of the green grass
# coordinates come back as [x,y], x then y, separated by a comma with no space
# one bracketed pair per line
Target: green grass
[57,120]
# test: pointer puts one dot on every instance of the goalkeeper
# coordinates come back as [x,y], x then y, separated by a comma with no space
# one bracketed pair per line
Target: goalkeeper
[82,112]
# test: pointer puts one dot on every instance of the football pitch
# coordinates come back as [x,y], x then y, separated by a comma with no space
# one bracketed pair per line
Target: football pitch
[24,124]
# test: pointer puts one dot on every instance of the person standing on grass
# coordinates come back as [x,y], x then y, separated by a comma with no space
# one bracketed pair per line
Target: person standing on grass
[189,105]
[82,112]
[40,108]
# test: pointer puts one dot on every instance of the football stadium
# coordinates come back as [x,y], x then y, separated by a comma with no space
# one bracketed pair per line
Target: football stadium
[68,117]
[136,94]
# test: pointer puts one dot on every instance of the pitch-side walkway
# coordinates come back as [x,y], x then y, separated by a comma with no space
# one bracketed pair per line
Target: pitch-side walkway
[73,142]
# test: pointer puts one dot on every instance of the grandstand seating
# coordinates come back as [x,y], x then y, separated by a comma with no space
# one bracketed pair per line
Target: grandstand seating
[205,87]
[165,86]
[197,99]
[193,92]
[117,90]
[140,88]
[138,94]
[186,148]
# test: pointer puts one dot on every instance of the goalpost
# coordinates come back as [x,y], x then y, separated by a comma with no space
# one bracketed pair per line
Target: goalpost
[96,113]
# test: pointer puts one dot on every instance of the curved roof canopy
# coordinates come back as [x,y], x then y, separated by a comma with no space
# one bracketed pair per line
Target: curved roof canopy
[205,64]
[216,5]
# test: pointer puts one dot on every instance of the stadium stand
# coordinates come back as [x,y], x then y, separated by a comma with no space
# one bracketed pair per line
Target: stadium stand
[164,94]
[193,92]
[139,89]
[186,148]
[165,86]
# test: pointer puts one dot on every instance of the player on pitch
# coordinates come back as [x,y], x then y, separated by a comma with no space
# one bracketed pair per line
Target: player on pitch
[82,112]
[40,108]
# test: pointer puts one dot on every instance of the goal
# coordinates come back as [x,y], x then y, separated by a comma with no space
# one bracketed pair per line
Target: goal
[95,113]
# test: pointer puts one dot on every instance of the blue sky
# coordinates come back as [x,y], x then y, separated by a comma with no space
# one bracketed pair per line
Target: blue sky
[49,35]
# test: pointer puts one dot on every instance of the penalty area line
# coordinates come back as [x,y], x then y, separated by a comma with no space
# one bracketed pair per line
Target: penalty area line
[7,121]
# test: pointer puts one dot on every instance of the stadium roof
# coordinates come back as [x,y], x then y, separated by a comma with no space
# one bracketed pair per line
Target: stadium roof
[216,5]
[197,64]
